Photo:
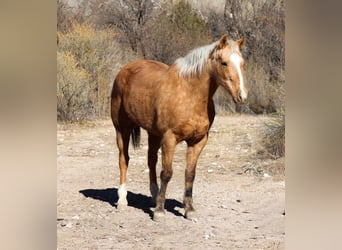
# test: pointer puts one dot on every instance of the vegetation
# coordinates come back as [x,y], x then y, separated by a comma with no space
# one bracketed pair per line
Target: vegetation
[274,136]
[97,37]
[87,60]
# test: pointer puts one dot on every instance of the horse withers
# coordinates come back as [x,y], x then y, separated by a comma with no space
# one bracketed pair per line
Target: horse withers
[173,104]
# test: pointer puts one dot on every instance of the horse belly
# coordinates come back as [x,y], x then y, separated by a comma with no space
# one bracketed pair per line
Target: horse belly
[138,106]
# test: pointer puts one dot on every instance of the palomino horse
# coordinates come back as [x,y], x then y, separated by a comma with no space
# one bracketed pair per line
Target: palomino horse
[173,104]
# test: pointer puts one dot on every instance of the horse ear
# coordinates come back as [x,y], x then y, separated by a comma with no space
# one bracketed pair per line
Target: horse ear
[223,42]
[241,42]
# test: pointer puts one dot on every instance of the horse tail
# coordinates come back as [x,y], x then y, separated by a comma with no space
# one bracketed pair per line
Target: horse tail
[136,137]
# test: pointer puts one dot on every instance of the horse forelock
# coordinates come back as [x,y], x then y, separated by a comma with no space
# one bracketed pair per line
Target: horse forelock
[194,62]
[234,47]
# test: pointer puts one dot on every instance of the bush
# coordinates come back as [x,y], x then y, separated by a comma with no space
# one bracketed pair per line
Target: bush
[87,62]
[264,96]
[164,31]
[64,16]
[72,91]
[173,34]
[274,135]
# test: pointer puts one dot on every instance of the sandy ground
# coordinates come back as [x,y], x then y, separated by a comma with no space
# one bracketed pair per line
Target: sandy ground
[239,198]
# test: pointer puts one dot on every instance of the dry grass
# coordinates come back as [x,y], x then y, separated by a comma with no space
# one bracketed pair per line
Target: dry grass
[274,135]
[264,96]
[72,96]
[237,143]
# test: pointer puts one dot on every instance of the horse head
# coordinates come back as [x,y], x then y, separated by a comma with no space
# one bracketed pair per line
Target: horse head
[228,67]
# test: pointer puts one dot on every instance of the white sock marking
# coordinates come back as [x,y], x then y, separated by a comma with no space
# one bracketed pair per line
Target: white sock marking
[122,193]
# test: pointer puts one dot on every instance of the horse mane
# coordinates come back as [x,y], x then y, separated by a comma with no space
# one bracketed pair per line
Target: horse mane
[193,63]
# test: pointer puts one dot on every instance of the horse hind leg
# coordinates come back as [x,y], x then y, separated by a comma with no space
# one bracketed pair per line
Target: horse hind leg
[122,138]
[153,147]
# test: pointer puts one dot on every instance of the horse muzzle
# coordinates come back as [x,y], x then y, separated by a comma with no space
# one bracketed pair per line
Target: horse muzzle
[240,98]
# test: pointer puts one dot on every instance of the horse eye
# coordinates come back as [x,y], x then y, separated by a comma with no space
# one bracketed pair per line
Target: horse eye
[224,64]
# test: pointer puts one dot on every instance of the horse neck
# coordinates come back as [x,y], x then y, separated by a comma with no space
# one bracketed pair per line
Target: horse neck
[205,83]
[202,86]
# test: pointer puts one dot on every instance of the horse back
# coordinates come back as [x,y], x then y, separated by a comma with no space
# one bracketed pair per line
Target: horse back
[139,73]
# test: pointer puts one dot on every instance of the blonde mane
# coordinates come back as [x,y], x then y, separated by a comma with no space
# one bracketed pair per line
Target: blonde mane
[193,63]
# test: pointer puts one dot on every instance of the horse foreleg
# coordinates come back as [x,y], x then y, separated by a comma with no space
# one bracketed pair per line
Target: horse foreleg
[168,149]
[193,152]
[153,147]
[122,138]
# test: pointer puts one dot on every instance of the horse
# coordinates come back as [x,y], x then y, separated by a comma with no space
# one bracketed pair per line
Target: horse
[173,104]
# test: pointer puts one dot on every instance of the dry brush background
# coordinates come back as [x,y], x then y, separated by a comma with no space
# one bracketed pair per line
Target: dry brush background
[95,38]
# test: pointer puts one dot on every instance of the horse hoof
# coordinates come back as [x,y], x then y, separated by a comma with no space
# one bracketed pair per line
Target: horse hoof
[191,215]
[121,205]
[158,216]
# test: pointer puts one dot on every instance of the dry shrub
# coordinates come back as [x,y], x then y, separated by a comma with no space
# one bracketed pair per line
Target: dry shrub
[274,135]
[72,95]
[64,16]
[157,30]
[164,31]
[87,62]
[128,18]
[264,96]
[175,32]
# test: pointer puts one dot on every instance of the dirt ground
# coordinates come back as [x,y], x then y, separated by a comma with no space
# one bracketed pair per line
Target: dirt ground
[239,196]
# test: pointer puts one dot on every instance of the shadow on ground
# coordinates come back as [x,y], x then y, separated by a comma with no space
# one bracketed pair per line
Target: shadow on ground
[138,201]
